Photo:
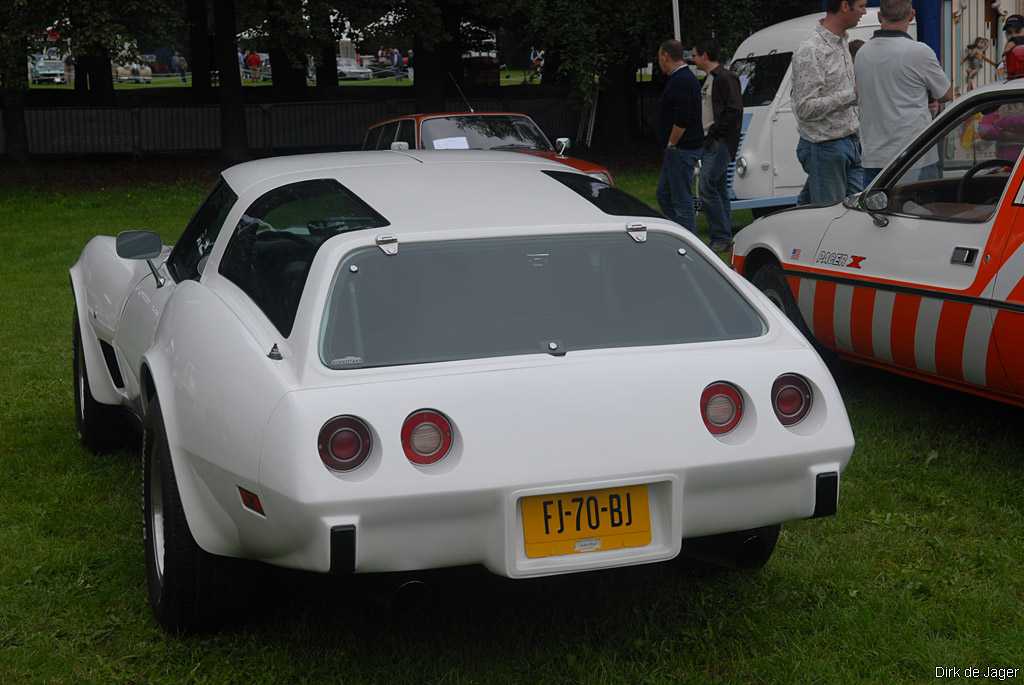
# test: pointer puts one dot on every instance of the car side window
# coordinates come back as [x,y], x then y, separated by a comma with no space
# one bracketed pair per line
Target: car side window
[387,135]
[407,132]
[190,252]
[960,174]
[272,249]
[372,136]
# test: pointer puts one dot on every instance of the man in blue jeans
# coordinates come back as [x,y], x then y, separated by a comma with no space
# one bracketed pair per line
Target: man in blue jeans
[825,103]
[722,115]
[680,131]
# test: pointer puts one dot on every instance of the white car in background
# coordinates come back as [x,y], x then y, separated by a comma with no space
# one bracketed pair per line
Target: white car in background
[507,363]
[348,68]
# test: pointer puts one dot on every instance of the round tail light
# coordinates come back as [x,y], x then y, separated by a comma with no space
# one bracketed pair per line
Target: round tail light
[721,407]
[791,398]
[344,443]
[426,436]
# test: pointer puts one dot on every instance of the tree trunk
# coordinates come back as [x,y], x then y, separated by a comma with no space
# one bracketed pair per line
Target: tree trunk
[429,84]
[199,46]
[615,113]
[98,71]
[327,49]
[288,78]
[327,69]
[13,98]
[234,141]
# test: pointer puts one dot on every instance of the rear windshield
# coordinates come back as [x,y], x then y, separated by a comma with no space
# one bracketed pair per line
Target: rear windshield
[608,199]
[469,132]
[470,299]
[760,77]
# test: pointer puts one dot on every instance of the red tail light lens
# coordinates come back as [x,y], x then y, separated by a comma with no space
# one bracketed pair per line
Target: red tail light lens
[721,407]
[791,398]
[426,436]
[344,443]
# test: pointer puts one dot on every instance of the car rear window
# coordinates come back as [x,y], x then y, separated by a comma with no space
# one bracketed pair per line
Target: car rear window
[469,299]
[607,198]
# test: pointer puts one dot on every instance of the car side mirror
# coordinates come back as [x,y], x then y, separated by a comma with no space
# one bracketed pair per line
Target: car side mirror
[400,146]
[562,144]
[145,245]
[139,245]
[876,201]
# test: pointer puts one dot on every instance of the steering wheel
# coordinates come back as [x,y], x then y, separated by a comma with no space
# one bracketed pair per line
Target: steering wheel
[961,189]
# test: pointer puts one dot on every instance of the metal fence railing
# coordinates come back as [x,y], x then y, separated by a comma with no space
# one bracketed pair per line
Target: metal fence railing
[278,127]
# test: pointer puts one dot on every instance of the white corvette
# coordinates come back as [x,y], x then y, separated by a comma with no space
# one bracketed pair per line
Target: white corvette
[393,361]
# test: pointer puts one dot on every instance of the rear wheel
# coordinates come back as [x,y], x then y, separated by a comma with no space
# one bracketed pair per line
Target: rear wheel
[745,549]
[99,425]
[187,586]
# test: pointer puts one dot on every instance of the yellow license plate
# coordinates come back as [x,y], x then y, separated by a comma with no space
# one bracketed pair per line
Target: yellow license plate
[589,521]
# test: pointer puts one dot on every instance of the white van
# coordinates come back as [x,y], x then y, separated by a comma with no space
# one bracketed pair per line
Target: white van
[767,174]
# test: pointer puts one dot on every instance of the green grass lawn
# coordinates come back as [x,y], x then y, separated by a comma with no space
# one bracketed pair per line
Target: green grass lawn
[921,567]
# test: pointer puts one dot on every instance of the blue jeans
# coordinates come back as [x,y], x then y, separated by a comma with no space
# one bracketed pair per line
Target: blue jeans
[869,175]
[675,194]
[833,170]
[714,190]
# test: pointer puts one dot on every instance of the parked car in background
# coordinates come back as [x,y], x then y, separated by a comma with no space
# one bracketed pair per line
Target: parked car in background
[46,68]
[476,131]
[136,72]
[767,174]
[375,362]
[922,274]
[349,68]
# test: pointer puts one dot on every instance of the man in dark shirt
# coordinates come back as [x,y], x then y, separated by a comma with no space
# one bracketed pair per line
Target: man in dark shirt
[722,115]
[680,131]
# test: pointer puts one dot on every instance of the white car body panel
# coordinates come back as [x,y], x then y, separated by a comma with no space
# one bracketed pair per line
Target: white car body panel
[527,424]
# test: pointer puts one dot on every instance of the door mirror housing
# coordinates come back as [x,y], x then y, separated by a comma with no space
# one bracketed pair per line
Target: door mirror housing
[139,245]
[561,145]
[145,245]
[875,201]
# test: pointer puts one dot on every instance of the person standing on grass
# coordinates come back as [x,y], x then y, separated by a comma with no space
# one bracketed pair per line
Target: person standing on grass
[681,132]
[722,116]
[825,103]
[896,78]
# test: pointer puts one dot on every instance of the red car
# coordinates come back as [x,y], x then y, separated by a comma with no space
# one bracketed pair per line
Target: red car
[476,131]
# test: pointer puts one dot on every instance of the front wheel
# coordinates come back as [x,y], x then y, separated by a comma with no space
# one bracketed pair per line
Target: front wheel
[770,280]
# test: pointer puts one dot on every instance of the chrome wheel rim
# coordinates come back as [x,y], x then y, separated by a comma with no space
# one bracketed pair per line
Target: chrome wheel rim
[156,513]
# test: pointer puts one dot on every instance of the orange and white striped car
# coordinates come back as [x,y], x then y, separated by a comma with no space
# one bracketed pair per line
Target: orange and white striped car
[923,273]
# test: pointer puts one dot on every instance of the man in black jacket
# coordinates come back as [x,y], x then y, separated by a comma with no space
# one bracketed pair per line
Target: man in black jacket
[722,114]
[680,131]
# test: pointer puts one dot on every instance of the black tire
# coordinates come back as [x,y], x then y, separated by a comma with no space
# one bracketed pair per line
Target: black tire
[770,280]
[188,587]
[746,550]
[100,426]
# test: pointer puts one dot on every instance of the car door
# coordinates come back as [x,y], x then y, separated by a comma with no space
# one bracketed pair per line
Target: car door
[911,285]
[1008,294]
[145,304]
[787,174]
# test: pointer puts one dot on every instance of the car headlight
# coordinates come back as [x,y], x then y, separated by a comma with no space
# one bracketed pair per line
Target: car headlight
[741,167]
[600,176]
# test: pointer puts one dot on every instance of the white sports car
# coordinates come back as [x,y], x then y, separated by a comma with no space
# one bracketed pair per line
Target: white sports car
[392,361]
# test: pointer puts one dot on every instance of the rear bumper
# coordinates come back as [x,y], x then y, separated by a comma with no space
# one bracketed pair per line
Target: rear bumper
[484,526]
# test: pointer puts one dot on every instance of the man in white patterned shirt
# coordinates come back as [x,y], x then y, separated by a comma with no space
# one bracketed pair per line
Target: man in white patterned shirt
[825,102]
